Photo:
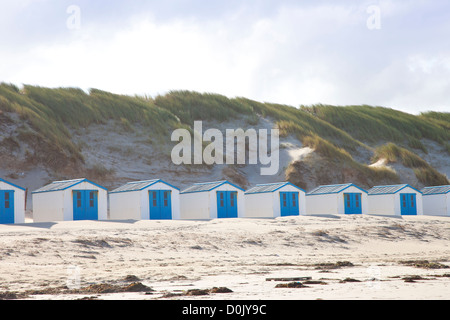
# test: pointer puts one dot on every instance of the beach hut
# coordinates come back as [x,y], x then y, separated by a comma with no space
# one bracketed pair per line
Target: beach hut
[145,200]
[436,201]
[212,200]
[395,200]
[274,200]
[336,199]
[70,200]
[12,203]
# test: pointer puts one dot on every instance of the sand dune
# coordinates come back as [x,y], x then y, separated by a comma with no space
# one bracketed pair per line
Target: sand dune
[172,257]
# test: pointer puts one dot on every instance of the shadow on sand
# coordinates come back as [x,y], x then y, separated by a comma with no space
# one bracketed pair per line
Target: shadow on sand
[330,216]
[40,225]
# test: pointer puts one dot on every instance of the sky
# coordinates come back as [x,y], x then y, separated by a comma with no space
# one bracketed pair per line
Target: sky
[386,53]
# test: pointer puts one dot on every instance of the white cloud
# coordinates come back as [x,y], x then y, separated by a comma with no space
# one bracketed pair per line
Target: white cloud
[295,55]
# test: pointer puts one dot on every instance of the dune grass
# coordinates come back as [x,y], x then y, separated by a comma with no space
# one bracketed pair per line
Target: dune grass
[424,172]
[375,124]
[341,156]
[47,132]
[51,112]
[49,115]
[439,118]
[190,106]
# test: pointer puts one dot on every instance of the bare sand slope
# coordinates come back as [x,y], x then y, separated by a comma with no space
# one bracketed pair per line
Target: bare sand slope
[356,257]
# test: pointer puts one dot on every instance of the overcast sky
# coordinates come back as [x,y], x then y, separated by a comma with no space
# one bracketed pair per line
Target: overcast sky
[389,53]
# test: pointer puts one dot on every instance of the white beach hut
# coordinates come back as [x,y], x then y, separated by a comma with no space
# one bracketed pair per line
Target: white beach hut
[436,201]
[12,203]
[212,200]
[274,200]
[70,200]
[336,199]
[395,200]
[145,200]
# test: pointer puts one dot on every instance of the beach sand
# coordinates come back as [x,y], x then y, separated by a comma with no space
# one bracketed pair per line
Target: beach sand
[346,257]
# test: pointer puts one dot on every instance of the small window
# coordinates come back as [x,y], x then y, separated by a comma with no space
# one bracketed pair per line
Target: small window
[166,195]
[221,203]
[284,203]
[221,195]
[294,203]
[166,203]
[232,202]
[154,203]
[7,204]
[284,196]
[78,203]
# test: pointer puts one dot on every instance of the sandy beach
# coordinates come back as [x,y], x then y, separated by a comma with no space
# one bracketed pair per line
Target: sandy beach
[329,257]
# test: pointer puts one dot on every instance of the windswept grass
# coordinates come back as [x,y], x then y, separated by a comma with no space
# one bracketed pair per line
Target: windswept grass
[393,153]
[190,106]
[327,149]
[440,118]
[49,115]
[425,173]
[374,124]
[336,154]
[50,112]
[77,109]
[49,134]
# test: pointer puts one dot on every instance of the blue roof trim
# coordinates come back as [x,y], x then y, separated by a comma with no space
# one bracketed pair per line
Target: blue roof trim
[97,185]
[397,191]
[293,185]
[445,190]
[233,185]
[169,184]
[335,192]
[391,189]
[46,191]
[327,186]
[282,185]
[12,184]
[215,186]
[76,182]
[151,183]
[354,185]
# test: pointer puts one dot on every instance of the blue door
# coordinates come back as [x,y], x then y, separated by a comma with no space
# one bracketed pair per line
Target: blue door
[85,205]
[91,205]
[232,211]
[6,207]
[160,205]
[289,204]
[227,204]
[408,204]
[352,203]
